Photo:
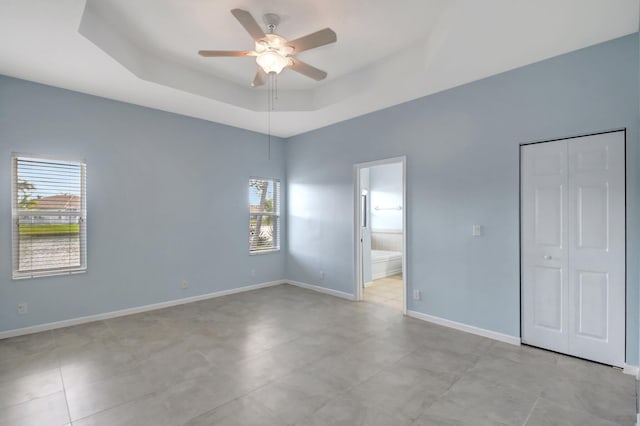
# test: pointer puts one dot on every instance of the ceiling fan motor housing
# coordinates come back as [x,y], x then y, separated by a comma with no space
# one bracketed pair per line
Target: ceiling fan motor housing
[274,43]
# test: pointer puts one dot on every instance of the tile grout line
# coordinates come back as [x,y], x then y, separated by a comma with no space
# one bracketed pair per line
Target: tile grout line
[302,368]
[64,388]
[111,408]
[248,393]
[535,403]
[573,408]
[104,409]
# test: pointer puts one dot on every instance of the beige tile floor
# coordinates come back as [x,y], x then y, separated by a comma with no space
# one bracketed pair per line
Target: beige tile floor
[285,355]
[385,291]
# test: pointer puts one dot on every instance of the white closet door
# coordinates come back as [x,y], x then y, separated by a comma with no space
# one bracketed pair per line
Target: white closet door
[544,249]
[573,246]
[597,247]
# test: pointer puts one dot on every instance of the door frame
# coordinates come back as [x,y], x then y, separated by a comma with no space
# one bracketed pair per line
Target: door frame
[521,145]
[358,293]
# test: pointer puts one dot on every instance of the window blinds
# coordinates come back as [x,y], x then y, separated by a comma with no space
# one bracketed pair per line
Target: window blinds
[264,215]
[49,217]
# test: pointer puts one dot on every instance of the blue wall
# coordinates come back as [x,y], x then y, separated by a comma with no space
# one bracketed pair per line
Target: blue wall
[167,200]
[462,150]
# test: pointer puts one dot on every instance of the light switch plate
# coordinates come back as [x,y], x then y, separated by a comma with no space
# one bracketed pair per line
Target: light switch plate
[476,231]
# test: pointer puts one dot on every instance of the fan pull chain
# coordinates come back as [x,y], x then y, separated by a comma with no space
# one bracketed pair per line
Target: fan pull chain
[269,108]
[272,96]
[269,102]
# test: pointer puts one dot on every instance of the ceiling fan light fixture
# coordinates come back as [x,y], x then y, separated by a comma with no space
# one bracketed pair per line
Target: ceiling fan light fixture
[271,61]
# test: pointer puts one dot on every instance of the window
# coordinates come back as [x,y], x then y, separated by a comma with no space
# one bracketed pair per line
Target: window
[264,215]
[49,217]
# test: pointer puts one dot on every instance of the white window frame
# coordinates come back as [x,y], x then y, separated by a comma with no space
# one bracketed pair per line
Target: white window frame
[16,214]
[277,194]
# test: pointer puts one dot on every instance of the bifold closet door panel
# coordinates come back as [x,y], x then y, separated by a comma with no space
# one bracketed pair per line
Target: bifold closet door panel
[597,247]
[544,253]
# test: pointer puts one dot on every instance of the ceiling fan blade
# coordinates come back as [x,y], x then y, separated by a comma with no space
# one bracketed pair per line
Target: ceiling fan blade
[313,40]
[249,24]
[214,53]
[259,79]
[306,69]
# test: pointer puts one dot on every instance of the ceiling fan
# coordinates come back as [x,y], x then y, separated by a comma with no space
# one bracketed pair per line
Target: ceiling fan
[273,52]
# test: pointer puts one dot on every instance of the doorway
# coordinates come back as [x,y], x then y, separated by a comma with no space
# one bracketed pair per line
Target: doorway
[573,246]
[380,232]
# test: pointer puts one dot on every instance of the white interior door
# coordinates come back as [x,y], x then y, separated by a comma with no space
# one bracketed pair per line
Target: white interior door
[573,246]
[545,255]
[597,247]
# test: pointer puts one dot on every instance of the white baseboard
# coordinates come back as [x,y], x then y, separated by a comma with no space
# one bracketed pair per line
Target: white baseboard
[512,340]
[369,284]
[319,289]
[631,370]
[129,311]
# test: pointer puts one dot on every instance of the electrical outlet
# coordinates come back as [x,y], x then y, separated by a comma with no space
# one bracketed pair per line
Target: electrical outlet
[22,308]
[253,273]
[184,285]
[321,275]
[417,295]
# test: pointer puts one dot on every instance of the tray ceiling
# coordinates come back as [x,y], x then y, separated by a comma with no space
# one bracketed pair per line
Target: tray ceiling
[145,51]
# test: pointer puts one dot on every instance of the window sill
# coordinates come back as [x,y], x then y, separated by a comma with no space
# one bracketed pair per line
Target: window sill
[30,275]
[259,252]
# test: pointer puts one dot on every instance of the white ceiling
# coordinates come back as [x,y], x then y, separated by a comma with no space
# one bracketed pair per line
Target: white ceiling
[145,51]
